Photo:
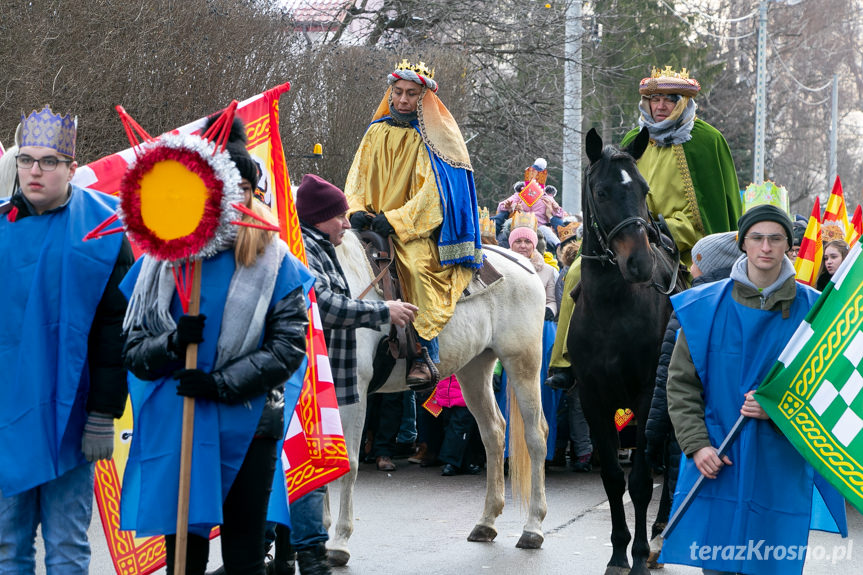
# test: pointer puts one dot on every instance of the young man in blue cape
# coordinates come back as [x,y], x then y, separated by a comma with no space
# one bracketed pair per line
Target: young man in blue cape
[762,497]
[61,341]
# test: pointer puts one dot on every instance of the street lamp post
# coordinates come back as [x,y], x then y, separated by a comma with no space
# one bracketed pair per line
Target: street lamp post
[571,180]
[761,90]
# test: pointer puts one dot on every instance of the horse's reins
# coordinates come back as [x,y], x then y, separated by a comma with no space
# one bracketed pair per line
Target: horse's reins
[605,239]
[384,270]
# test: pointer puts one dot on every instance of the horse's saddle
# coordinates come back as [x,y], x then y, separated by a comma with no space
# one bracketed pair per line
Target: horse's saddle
[403,342]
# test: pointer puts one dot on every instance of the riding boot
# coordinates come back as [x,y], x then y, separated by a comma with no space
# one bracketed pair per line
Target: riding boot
[559,378]
[313,560]
[423,375]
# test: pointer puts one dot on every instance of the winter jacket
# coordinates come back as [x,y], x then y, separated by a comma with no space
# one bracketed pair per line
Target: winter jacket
[261,371]
[448,393]
[341,314]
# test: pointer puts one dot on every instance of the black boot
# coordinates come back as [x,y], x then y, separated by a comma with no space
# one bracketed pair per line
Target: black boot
[559,379]
[313,560]
[282,567]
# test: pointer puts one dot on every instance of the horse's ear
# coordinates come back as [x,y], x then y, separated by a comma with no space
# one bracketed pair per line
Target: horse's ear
[639,144]
[593,146]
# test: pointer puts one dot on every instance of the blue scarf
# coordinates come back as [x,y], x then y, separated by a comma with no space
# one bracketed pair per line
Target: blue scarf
[52,286]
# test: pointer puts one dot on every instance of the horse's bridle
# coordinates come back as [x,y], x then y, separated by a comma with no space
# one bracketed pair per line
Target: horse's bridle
[608,256]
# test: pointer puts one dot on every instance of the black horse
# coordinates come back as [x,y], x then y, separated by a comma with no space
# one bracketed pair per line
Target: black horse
[621,309]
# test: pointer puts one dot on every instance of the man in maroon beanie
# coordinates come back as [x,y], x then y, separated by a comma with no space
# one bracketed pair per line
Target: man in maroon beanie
[322,209]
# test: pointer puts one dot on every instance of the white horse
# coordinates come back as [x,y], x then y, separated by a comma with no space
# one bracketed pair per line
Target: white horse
[505,321]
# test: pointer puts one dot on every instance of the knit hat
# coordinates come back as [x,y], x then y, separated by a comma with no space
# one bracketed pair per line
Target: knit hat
[522,233]
[241,157]
[763,213]
[318,200]
[715,251]
[236,148]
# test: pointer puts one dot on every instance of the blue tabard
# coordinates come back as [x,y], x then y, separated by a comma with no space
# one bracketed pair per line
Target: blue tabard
[765,498]
[222,433]
[53,282]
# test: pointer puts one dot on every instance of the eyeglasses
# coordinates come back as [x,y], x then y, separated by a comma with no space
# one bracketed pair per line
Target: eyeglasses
[656,98]
[46,164]
[772,239]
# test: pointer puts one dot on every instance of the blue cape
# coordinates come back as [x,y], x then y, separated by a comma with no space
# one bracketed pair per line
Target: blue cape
[52,286]
[769,493]
[222,432]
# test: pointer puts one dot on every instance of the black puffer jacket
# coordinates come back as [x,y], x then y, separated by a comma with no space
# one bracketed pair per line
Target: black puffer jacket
[658,429]
[262,371]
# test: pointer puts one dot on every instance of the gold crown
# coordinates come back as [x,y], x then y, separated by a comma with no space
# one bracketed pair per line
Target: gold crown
[524,220]
[667,72]
[486,225]
[568,231]
[420,68]
[831,230]
[532,173]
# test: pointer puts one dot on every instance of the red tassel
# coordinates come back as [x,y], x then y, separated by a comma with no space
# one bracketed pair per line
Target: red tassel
[12,215]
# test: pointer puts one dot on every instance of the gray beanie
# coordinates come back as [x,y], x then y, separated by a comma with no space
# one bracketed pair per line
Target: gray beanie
[715,251]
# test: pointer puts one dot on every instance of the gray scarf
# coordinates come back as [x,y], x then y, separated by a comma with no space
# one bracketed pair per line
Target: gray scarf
[243,318]
[668,132]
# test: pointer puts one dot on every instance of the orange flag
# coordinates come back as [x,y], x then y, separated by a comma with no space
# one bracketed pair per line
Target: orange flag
[835,211]
[856,229]
[808,262]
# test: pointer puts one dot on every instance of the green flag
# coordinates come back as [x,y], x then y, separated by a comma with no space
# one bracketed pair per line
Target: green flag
[813,392]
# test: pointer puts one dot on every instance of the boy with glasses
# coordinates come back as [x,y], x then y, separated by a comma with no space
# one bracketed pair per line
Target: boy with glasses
[731,333]
[61,342]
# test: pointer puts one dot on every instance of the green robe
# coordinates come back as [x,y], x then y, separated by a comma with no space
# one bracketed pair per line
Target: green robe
[693,185]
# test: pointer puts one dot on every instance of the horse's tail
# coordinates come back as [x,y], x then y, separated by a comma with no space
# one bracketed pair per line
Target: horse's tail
[519,458]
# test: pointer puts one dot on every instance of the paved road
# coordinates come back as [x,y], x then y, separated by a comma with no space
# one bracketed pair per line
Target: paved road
[413,521]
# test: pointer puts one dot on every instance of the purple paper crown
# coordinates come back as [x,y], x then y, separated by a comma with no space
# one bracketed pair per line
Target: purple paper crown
[45,128]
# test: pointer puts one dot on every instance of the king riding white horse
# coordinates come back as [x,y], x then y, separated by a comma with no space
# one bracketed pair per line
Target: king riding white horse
[504,321]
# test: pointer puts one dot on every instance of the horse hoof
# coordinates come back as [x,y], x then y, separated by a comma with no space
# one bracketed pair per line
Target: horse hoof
[530,540]
[482,534]
[338,557]
[616,570]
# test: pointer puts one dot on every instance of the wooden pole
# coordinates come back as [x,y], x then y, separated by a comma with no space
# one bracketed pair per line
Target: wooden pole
[188,435]
[696,487]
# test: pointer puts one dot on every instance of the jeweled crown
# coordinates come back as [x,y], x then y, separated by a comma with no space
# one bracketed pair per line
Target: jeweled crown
[45,128]
[667,72]
[420,68]
[524,220]
[486,225]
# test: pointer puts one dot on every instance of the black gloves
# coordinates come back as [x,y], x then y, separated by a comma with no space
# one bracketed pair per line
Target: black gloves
[196,383]
[361,220]
[190,329]
[382,226]
[549,315]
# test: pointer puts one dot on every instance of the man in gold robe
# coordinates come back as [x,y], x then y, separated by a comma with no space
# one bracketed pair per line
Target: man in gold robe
[411,178]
